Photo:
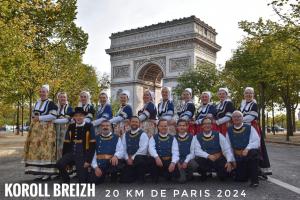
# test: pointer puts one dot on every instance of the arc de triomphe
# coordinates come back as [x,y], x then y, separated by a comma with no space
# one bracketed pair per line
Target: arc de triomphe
[153,56]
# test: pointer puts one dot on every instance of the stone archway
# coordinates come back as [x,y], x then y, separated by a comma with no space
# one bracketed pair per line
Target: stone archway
[149,76]
[140,58]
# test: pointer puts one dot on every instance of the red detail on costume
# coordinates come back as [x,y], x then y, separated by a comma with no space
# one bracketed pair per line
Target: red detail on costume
[222,128]
[255,125]
[192,128]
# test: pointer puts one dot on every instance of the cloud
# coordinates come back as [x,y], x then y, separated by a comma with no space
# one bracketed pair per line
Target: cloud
[100,18]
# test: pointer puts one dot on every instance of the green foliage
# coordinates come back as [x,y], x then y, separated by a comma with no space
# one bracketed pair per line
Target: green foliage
[203,77]
[40,43]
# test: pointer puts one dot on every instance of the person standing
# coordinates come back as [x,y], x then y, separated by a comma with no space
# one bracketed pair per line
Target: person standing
[39,150]
[104,111]
[86,104]
[206,110]
[148,113]
[64,113]
[224,111]
[166,109]
[121,120]
[188,109]
[250,116]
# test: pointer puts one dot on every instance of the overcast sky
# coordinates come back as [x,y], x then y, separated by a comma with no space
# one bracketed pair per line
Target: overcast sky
[100,18]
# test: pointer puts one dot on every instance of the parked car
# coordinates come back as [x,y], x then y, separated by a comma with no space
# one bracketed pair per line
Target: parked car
[276,128]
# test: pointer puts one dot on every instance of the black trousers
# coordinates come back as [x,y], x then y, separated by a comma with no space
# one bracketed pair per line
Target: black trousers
[131,173]
[247,167]
[69,159]
[156,171]
[107,169]
[206,165]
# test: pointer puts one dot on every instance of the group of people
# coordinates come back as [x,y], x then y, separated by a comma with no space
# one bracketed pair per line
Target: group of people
[156,141]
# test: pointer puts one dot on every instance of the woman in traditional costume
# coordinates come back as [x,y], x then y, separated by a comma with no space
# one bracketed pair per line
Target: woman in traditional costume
[64,112]
[40,147]
[188,109]
[148,113]
[85,103]
[121,120]
[206,110]
[250,116]
[224,110]
[166,109]
[104,111]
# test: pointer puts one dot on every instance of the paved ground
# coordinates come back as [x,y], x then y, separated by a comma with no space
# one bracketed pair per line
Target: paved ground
[285,165]
[280,137]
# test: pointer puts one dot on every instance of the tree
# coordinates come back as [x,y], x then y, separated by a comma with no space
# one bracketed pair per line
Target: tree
[203,77]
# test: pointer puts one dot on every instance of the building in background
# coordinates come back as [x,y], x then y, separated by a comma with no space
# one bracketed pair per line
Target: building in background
[154,56]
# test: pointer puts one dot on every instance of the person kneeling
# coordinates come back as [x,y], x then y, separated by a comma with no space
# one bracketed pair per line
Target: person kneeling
[163,149]
[108,155]
[186,152]
[135,143]
[79,147]
[245,142]
[212,152]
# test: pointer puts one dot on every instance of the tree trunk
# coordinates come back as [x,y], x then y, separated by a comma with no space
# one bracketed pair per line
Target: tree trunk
[18,119]
[273,119]
[294,119]
[22,114]
[289,125]
[30,107]
[262,102]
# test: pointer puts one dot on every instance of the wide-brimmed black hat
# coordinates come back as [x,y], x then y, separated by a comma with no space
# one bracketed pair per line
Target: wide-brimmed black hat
[78,110]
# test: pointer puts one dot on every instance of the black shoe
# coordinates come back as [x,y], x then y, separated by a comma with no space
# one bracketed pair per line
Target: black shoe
[39,178]
[263,177]
[114,177]
[155,179]
[254,185]
[141,180]
[46,178]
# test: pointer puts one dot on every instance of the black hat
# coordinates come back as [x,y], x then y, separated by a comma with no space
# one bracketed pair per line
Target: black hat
[79,110]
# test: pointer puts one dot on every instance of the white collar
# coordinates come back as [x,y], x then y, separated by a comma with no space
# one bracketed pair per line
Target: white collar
[80,125]
[238,127]
[106,135]
[135,131]
[182,136]
[207,134]
[163,135]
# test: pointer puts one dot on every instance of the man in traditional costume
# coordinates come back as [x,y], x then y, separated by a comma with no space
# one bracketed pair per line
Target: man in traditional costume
[245,143]
[135,143]
[108,155]
[186,151]
[163,149]
[79,147]
[212,152]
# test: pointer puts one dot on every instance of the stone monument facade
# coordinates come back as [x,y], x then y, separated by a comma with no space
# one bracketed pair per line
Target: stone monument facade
[154,56]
